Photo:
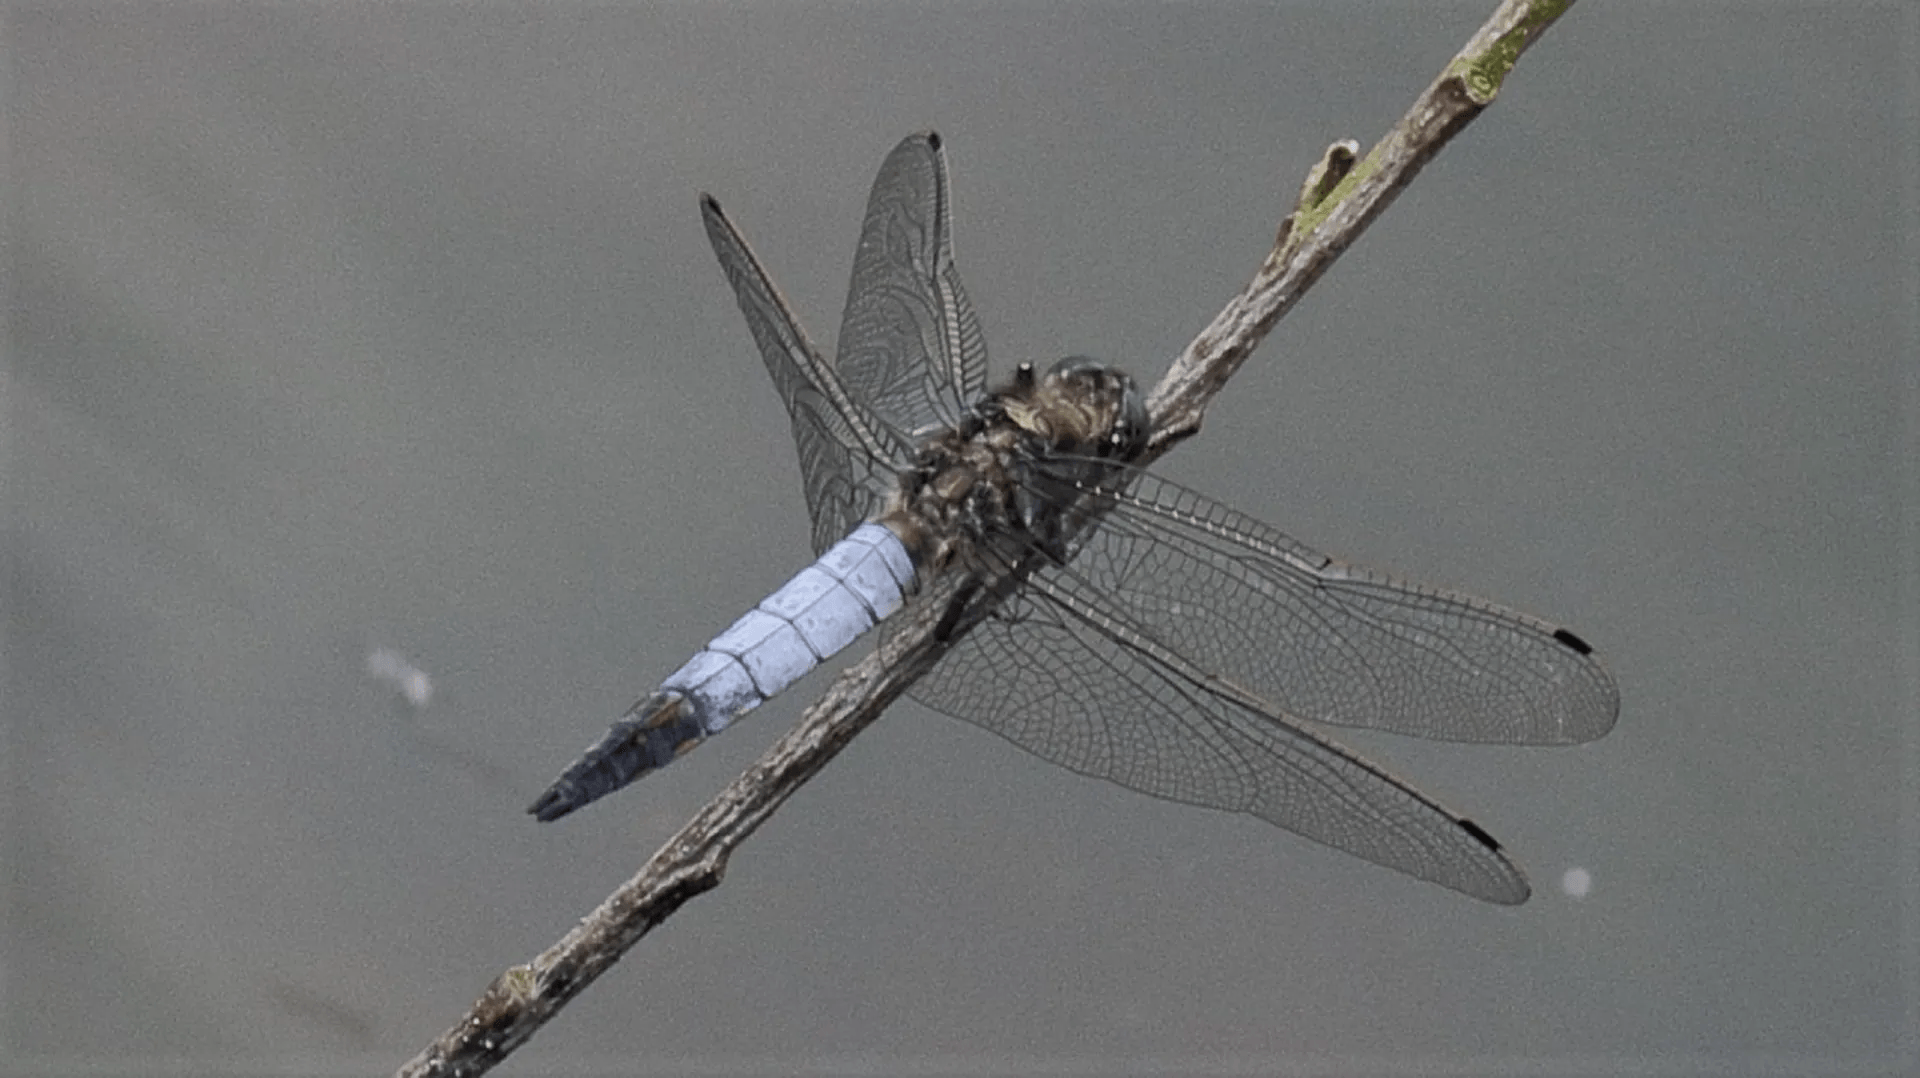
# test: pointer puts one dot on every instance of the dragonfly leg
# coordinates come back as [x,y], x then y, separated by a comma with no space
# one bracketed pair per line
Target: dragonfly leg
[956,607]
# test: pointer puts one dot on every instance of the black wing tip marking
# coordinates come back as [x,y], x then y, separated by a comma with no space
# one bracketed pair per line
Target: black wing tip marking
[1512,890]
[1569,640]
[710,205]
[933,139]
[1479,834]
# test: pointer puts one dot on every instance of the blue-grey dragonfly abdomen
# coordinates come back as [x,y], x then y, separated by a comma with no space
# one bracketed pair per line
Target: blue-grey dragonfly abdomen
[857,583]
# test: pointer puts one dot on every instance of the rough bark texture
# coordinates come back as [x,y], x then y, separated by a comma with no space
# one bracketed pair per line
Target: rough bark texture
[1341,196]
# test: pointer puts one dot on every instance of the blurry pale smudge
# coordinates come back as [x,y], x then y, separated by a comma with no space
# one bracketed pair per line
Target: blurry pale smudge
[411,682]
[412,690]
[1576,882]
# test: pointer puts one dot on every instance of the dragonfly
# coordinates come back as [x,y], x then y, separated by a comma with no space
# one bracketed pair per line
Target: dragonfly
[1103,618]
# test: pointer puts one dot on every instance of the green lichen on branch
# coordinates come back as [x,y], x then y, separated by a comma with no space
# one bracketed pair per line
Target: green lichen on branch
[1483,72]
[1312,213]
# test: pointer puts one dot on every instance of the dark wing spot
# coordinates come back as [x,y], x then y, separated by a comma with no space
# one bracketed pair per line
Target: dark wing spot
[1474,829]
[933,139]
[1573,641]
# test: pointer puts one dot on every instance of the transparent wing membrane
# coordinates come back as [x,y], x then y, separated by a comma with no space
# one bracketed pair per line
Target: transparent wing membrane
[847,454]
[1322,640]
[910,342]
[1052,676]
[1176,650]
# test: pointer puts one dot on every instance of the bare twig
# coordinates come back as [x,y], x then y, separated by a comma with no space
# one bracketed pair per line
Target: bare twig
[1340,199]
[1341,196]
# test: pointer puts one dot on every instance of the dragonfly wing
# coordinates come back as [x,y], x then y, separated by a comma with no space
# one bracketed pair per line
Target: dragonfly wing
[1051,674]
[1317,639]
[848,455]
[910,342]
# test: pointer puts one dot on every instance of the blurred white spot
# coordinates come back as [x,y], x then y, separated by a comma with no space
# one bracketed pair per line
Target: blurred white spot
[411,682]
[1576,882]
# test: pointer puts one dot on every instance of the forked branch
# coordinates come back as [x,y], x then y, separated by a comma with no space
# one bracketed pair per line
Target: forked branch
[1341,196]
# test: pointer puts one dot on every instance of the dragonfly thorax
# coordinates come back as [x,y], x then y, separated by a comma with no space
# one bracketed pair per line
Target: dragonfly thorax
[1001,482]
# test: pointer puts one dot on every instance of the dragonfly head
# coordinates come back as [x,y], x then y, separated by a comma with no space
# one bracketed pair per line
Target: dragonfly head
[1112,410]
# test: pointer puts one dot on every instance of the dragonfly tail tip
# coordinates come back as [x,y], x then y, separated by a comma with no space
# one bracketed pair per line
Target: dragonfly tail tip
[553,804]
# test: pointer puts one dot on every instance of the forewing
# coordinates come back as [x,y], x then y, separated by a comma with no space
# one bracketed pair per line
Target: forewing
[910,342]
[848,457]
[1318,639]
[1053,674]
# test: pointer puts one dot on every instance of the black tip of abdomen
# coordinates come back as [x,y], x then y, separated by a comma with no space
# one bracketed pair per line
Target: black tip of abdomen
[561,798]
[652,734]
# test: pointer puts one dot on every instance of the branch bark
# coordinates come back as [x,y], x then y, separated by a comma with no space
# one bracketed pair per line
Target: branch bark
[1342,195]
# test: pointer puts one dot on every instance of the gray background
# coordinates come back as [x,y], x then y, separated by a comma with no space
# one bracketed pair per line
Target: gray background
[335,327]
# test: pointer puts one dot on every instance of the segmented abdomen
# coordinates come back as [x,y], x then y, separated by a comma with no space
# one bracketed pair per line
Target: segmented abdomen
[856,583]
